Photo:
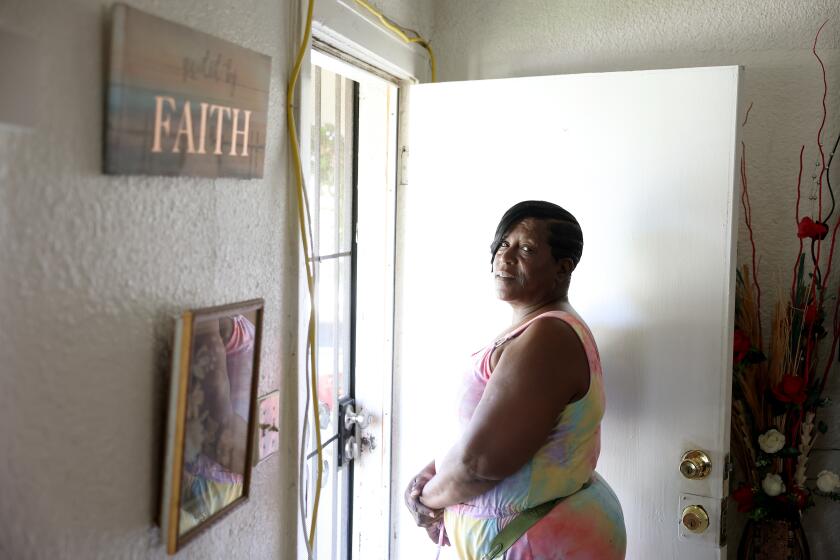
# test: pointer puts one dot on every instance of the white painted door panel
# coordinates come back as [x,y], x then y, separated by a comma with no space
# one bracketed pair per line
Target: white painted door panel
[646,161]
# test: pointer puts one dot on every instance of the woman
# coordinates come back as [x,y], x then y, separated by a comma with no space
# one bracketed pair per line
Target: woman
[530,413]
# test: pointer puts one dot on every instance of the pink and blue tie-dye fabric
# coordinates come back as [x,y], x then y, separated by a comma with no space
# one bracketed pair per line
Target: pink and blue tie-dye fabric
[588,524]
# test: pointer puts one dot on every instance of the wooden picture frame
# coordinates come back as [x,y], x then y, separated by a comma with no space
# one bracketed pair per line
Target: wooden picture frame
[212,418]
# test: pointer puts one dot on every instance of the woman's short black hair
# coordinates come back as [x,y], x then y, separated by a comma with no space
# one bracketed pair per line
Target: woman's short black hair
[565,235]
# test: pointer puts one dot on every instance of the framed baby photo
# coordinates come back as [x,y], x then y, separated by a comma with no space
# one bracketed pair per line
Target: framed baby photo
[212,418]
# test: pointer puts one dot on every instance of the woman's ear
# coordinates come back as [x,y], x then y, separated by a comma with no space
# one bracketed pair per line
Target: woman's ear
[564,273]
[566,265]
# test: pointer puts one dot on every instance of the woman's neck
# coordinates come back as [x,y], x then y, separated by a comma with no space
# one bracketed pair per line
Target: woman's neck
[523,313]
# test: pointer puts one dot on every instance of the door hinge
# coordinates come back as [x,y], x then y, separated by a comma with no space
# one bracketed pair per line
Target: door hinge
[728,466]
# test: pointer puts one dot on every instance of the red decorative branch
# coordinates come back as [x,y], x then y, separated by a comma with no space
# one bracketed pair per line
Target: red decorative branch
[745,204]
[747,114]
[798,198]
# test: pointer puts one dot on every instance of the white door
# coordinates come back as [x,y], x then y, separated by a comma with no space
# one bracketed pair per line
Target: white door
[646,161]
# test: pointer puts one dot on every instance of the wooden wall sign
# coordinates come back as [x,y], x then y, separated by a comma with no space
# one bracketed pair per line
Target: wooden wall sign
[181,102]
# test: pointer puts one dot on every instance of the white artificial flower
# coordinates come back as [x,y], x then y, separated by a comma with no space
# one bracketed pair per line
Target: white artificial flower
[828,481]
[771,441]
[772,485]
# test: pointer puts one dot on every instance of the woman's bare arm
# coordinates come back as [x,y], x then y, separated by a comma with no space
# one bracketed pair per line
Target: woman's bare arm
[538,373]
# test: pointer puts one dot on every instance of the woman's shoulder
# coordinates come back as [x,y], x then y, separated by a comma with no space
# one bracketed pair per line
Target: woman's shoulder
[555,334]
[551,332]
[568,317]
[549,354]
[542,339]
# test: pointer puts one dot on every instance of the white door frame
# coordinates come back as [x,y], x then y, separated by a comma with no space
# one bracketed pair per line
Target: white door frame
[344,28]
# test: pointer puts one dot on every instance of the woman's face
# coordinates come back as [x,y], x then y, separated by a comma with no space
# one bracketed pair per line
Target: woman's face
[524,270]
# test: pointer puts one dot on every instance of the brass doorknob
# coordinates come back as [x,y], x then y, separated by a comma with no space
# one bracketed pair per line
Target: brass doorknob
[695,465]
[695,519]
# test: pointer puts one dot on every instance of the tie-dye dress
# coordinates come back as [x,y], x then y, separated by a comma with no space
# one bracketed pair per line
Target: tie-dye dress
[588,523]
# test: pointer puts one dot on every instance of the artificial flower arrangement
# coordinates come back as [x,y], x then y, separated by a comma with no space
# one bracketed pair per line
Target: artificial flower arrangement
[776,398]
[778,393]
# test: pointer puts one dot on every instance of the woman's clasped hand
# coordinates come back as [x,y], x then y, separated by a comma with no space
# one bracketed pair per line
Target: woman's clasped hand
[429,519]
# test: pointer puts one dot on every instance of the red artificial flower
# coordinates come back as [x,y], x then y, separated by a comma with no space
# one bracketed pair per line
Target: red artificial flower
[791,389]
[800,497]
[811,229]
[745,498]
[742,345]
[811,313]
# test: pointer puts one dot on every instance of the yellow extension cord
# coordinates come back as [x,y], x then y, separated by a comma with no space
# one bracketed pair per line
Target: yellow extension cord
[401,33]
[310,278]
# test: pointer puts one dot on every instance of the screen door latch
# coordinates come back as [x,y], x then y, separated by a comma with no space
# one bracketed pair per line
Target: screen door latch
[352,419]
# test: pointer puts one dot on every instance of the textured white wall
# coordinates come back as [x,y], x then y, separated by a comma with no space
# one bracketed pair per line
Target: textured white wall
[477,39]
[93,267]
